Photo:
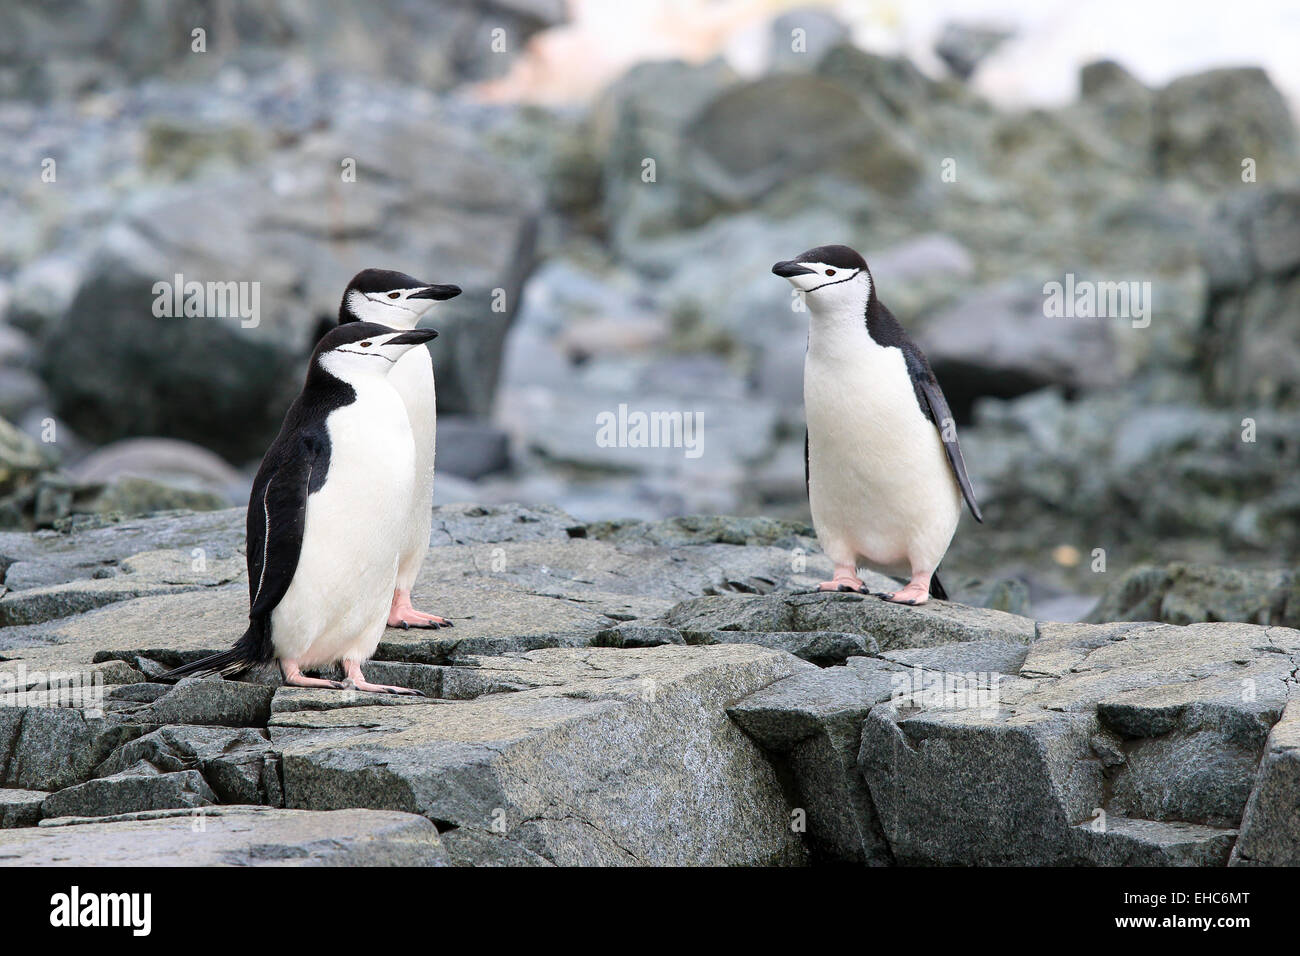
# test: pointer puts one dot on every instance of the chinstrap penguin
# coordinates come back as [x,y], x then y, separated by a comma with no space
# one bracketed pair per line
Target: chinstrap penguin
[326,514]
[884,471]
[397,300]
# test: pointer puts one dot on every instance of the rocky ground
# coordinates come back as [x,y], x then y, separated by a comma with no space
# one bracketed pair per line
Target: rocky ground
[590,284]
[626,693]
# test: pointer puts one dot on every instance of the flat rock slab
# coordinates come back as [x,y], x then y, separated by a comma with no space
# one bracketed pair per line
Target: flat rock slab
[138,788]
[989,657]
[39,604]
[212,702]
[889,625]
[1125,842]
[490,619]
[47,558]
[611,757]
[823,648]
[231,836]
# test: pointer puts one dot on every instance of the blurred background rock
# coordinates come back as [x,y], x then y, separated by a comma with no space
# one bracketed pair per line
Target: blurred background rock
[501,146]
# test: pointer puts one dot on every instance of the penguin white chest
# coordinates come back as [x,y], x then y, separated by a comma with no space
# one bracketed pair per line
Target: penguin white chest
[337,604]
[412,378]
[880,486]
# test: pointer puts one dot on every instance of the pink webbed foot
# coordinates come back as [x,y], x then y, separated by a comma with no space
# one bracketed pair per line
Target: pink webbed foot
[293,677]
[355,680]
[402,615]
[845,579]
[916,592]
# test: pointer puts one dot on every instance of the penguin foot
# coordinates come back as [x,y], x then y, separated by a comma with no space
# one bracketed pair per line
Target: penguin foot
[293,677]
[402,615]
[381,688]
[913,594]
[354,680]
[845,579]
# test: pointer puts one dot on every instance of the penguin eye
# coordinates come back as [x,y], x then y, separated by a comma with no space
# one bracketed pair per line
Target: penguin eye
[365,345]
[394,295]
[830,272]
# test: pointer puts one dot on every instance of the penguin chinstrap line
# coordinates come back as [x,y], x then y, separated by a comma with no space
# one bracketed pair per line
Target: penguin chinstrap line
[397,300]
[883,467]
[326,514]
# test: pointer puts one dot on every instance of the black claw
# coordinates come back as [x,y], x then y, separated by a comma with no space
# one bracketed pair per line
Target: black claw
[404,626]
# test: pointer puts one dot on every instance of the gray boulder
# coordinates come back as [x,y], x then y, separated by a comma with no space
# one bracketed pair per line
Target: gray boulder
[21,463]
[1187,594]
[642,116]
[1141,722]
[1209,122]
[50,748]
[20,808]
[763,134]
[1270,827]
[963,46]
[470,448]
[1250,256]
[811,726]
[801,37]
[1124,107]
[999,341]
[173,463]
[237,764]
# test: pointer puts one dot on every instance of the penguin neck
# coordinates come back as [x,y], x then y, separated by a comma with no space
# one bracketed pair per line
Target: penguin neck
[832,330]
[401,319]
[321,381]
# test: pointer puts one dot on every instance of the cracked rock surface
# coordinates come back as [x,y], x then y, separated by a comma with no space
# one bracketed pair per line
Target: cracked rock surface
[625,693]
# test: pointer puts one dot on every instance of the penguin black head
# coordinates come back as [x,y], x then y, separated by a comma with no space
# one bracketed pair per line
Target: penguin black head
[830,277]
[390,298]
[365,348]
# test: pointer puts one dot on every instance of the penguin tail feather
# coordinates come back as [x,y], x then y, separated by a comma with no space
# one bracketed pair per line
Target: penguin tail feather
[248,651]
[936,589]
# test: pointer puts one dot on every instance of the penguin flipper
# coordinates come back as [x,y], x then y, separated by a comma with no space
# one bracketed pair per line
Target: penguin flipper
[277,518]
[930,396]
[805,461]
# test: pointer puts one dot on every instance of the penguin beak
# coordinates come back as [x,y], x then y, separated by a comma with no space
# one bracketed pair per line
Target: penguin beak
[414,337]
[438,292]
[789,269]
